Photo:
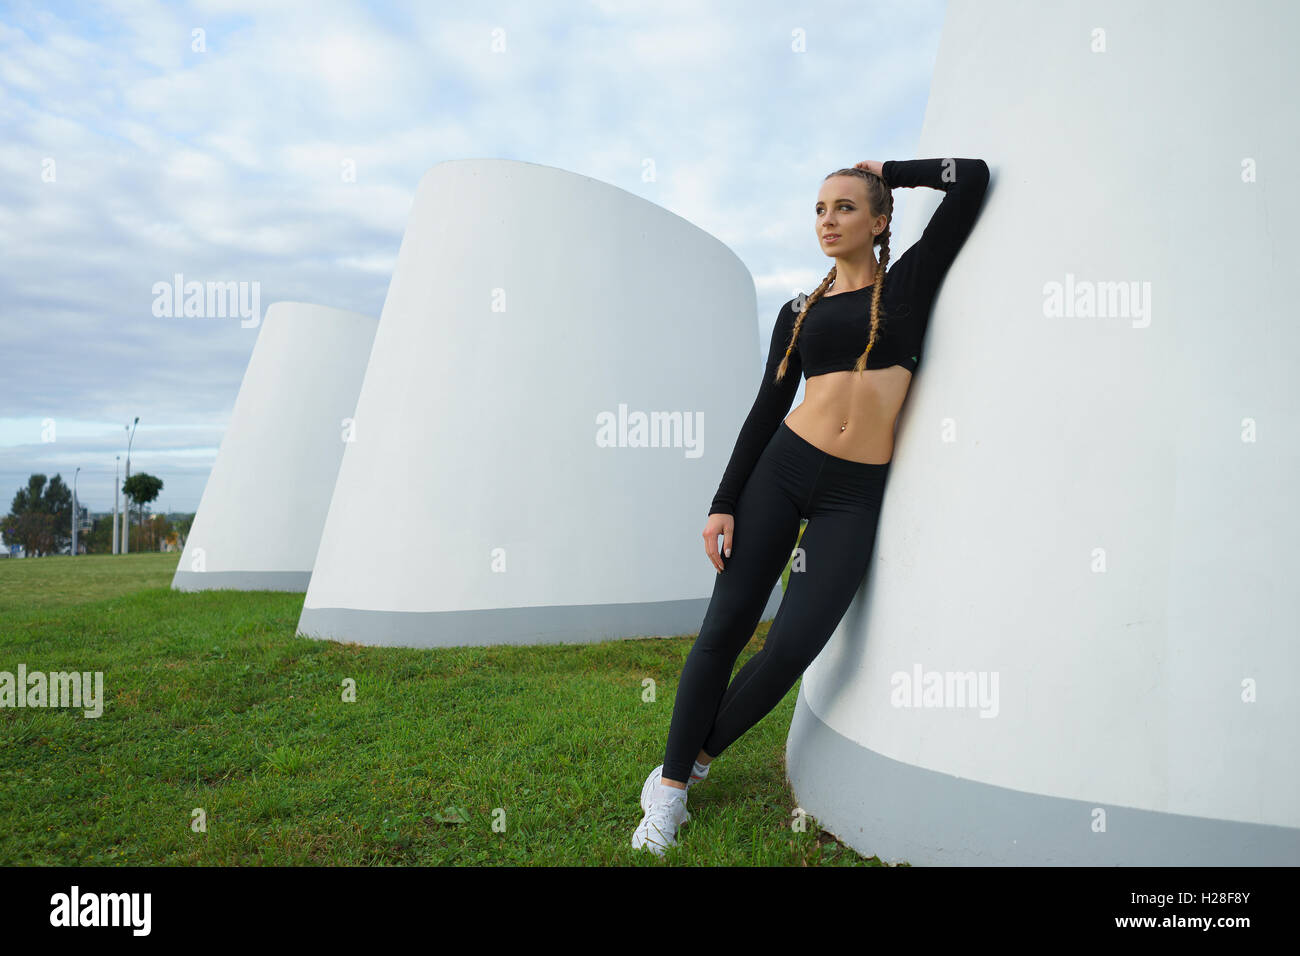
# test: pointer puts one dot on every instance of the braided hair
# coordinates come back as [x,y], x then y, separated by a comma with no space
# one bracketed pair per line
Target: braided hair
[880,198]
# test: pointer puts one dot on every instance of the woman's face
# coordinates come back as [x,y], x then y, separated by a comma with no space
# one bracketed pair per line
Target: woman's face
[844,220]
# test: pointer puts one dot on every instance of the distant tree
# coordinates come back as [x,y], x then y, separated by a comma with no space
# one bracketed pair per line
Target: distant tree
[33,530]
[40,516]
[154,531]
[141,488]
[100,538]
[183,527]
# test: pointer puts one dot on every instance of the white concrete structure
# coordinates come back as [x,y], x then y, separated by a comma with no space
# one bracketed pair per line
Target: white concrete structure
[1091,510]
[260,517]
[557,382]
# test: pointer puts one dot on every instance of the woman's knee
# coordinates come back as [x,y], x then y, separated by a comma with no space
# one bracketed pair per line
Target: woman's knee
[790,654]
[725,635]
[810,612]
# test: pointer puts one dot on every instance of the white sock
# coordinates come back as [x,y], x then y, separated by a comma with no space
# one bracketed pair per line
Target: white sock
[671,793]
[701,769]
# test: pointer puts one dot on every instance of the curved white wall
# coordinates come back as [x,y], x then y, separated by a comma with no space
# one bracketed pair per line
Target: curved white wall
[482,501]
[1096,511]
[260,517]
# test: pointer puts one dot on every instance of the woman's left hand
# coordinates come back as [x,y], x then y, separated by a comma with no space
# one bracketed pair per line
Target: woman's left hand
[871,166]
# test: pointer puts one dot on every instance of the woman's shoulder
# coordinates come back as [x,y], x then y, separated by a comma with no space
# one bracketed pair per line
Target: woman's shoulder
[903,285]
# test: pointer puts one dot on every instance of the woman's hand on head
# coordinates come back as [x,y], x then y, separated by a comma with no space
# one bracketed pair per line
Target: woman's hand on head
[718,524]
[871,166]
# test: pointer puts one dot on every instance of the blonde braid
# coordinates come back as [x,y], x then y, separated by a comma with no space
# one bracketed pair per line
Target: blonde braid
[883,239]
[798,322]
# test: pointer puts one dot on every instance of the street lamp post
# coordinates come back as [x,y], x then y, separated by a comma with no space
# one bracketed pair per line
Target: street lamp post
[117,459]
[126,509]
[75,516]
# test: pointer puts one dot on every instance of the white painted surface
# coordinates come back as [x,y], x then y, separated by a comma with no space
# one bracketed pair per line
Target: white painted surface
[526,302]
[264,505]
[1072,434]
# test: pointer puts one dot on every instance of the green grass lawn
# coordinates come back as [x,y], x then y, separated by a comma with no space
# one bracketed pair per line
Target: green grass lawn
[211,702]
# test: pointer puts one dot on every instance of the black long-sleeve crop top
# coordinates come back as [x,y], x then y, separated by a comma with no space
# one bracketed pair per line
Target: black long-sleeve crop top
[835,330]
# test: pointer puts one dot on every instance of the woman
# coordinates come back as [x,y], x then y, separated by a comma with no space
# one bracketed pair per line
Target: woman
[857,341]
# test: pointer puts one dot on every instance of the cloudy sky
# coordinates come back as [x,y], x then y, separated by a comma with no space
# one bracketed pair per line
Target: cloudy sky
[139,140]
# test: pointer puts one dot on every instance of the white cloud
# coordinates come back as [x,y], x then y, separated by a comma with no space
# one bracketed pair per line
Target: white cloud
[227,164]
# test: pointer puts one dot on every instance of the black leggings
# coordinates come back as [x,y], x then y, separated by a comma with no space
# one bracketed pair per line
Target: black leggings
[792,479]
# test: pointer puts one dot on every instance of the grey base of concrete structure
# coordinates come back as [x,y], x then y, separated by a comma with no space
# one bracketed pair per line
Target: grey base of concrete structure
[903,813]
[563,624]
[241,581]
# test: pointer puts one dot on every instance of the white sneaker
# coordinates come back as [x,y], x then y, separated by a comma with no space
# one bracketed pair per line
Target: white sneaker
[658,828]
[652,781]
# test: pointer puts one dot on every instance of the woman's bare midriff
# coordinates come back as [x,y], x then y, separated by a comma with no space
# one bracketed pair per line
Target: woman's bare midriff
[865,403]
